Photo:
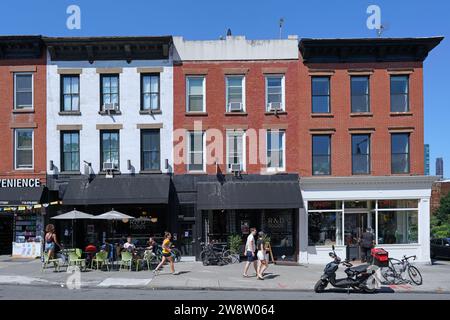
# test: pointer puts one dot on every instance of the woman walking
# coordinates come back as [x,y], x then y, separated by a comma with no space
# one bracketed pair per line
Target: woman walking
[166,253]
[262,256]
[51,241]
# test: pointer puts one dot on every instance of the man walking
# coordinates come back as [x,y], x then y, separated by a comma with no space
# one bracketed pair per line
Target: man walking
[249,252]
[367,243]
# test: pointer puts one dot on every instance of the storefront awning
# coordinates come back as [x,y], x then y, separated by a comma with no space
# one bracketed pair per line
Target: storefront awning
[152,189]
[21,196]
[249,195]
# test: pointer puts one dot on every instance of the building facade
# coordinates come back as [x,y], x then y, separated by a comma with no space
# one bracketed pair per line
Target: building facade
[440,167]
[23,139]
[427,159]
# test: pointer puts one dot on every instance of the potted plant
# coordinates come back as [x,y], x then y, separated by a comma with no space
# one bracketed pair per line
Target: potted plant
[235,243]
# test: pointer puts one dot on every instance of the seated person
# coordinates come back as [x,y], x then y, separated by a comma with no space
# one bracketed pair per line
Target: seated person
[129,245]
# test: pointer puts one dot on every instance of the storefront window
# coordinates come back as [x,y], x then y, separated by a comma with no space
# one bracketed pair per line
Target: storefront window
[324,228]
[395,204]
[397,227]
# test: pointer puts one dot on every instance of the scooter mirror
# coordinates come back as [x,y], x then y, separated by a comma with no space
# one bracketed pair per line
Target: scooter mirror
[331,254]
[332,247]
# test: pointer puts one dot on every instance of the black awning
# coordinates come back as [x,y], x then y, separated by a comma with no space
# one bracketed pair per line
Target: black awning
[152,189]
[249,195]
[21,196]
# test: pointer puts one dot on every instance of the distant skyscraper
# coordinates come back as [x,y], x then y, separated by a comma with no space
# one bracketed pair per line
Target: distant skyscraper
[440,167]
[427,159]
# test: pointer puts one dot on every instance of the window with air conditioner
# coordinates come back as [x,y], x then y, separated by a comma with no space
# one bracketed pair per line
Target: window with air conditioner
[109,96]
[235,94]
[109,146]
[275,93]
[235,151]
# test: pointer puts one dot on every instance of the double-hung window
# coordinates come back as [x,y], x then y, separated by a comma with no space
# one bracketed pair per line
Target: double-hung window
[360,94]
[109,149]
[400,153]
[150,150]
[70,151]
[70,93]
[23,149]
[195,95]
[23,91]
[275,93]
[235,94]
[321,155]
[196,147]
[400,93]
[360,153]
[109,92]
[235,150]
[276,150]
[320,94]
[150,92]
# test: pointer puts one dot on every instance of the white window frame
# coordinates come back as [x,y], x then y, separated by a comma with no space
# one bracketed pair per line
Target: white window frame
[243,91]
[188,158]
[204,92]
[32,90]
[16,131]
[283,95]
[276,169]
[244,149]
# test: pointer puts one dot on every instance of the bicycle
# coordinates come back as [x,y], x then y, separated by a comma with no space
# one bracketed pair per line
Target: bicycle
[210,254]
[393,273]
[175,254]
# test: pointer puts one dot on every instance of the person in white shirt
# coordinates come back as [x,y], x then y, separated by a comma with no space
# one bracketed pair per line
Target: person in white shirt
[250,249]
[129,245]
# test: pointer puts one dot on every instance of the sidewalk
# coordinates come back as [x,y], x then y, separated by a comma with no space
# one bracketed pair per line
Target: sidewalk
[193,275]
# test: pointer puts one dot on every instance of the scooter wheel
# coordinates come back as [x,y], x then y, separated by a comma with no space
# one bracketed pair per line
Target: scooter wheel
[320,286]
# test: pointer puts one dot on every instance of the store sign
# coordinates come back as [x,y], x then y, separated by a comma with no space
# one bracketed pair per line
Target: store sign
[20,183]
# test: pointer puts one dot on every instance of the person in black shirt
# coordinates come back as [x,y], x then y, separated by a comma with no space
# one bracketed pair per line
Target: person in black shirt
[367,243]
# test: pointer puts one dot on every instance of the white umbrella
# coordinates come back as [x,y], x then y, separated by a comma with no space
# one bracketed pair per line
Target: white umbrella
[112,215]
[73,215]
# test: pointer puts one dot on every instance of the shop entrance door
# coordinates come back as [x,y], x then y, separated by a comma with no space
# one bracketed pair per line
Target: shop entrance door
[186,242]
[6,235]
[355,224]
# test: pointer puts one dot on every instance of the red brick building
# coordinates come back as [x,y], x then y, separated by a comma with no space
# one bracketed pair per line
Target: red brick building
[23,140]
[440,189]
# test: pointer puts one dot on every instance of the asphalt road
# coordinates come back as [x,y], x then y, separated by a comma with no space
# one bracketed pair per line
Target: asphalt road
[15,292]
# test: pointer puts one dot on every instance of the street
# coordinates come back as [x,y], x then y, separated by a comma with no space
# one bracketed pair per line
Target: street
[13,292]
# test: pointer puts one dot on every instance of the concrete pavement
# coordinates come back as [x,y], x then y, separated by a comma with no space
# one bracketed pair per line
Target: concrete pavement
[195,276]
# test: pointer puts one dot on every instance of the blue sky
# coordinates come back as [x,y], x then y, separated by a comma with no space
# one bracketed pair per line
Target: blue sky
[258,19]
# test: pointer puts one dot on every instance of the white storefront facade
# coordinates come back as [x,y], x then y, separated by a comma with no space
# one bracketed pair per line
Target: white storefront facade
[338,209]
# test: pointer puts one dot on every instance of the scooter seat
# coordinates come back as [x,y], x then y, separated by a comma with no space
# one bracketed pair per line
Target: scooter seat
[360,269]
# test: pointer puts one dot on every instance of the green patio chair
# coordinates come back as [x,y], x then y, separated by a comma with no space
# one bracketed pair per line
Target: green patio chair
[47,261]
[74,260]
[148,258]
[79,252]
[101,258]
[126,260]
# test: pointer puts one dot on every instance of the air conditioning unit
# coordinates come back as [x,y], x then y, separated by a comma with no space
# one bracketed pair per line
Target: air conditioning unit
[235,167]
[275,106]
[235,106]
[111,107]
[108,166]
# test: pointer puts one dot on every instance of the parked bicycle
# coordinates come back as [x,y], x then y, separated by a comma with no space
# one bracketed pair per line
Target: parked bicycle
[211,254]
[176,254]
[394,273]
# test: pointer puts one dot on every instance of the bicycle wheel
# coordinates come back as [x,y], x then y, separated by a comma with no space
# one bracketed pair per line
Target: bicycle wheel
[414,275]
[389,275]
[230,257]
[176,254]
[203,255]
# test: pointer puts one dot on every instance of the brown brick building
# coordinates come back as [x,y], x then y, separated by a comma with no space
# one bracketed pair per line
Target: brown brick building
[440,189]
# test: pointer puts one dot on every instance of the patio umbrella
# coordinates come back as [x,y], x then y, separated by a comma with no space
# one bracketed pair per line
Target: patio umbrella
[73,215]
[112,215]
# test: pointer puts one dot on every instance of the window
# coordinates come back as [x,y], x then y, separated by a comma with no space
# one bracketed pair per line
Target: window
[109,146]
[321,95]
[150,150]
[398,227]
[275,149]
[70,93]
[400,153]
[325,228]
[274,93]
[150,87]
[109,90]
[321,155]
[399,93]
[360,94]
[195,94]
[235,149]
[235,93]
[23,147]
[70,151]
[196,151]
[360,154]
[23,91]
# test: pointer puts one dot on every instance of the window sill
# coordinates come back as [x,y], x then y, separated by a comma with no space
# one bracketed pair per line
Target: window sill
[401,114]
[236,113]
[361,114]
[23,110]
[115,172]
[69,113]
[112,113]
[150,172]
[275,113]
[322,115]
[150,112]
[196,173]
[196,114]
[69,173]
